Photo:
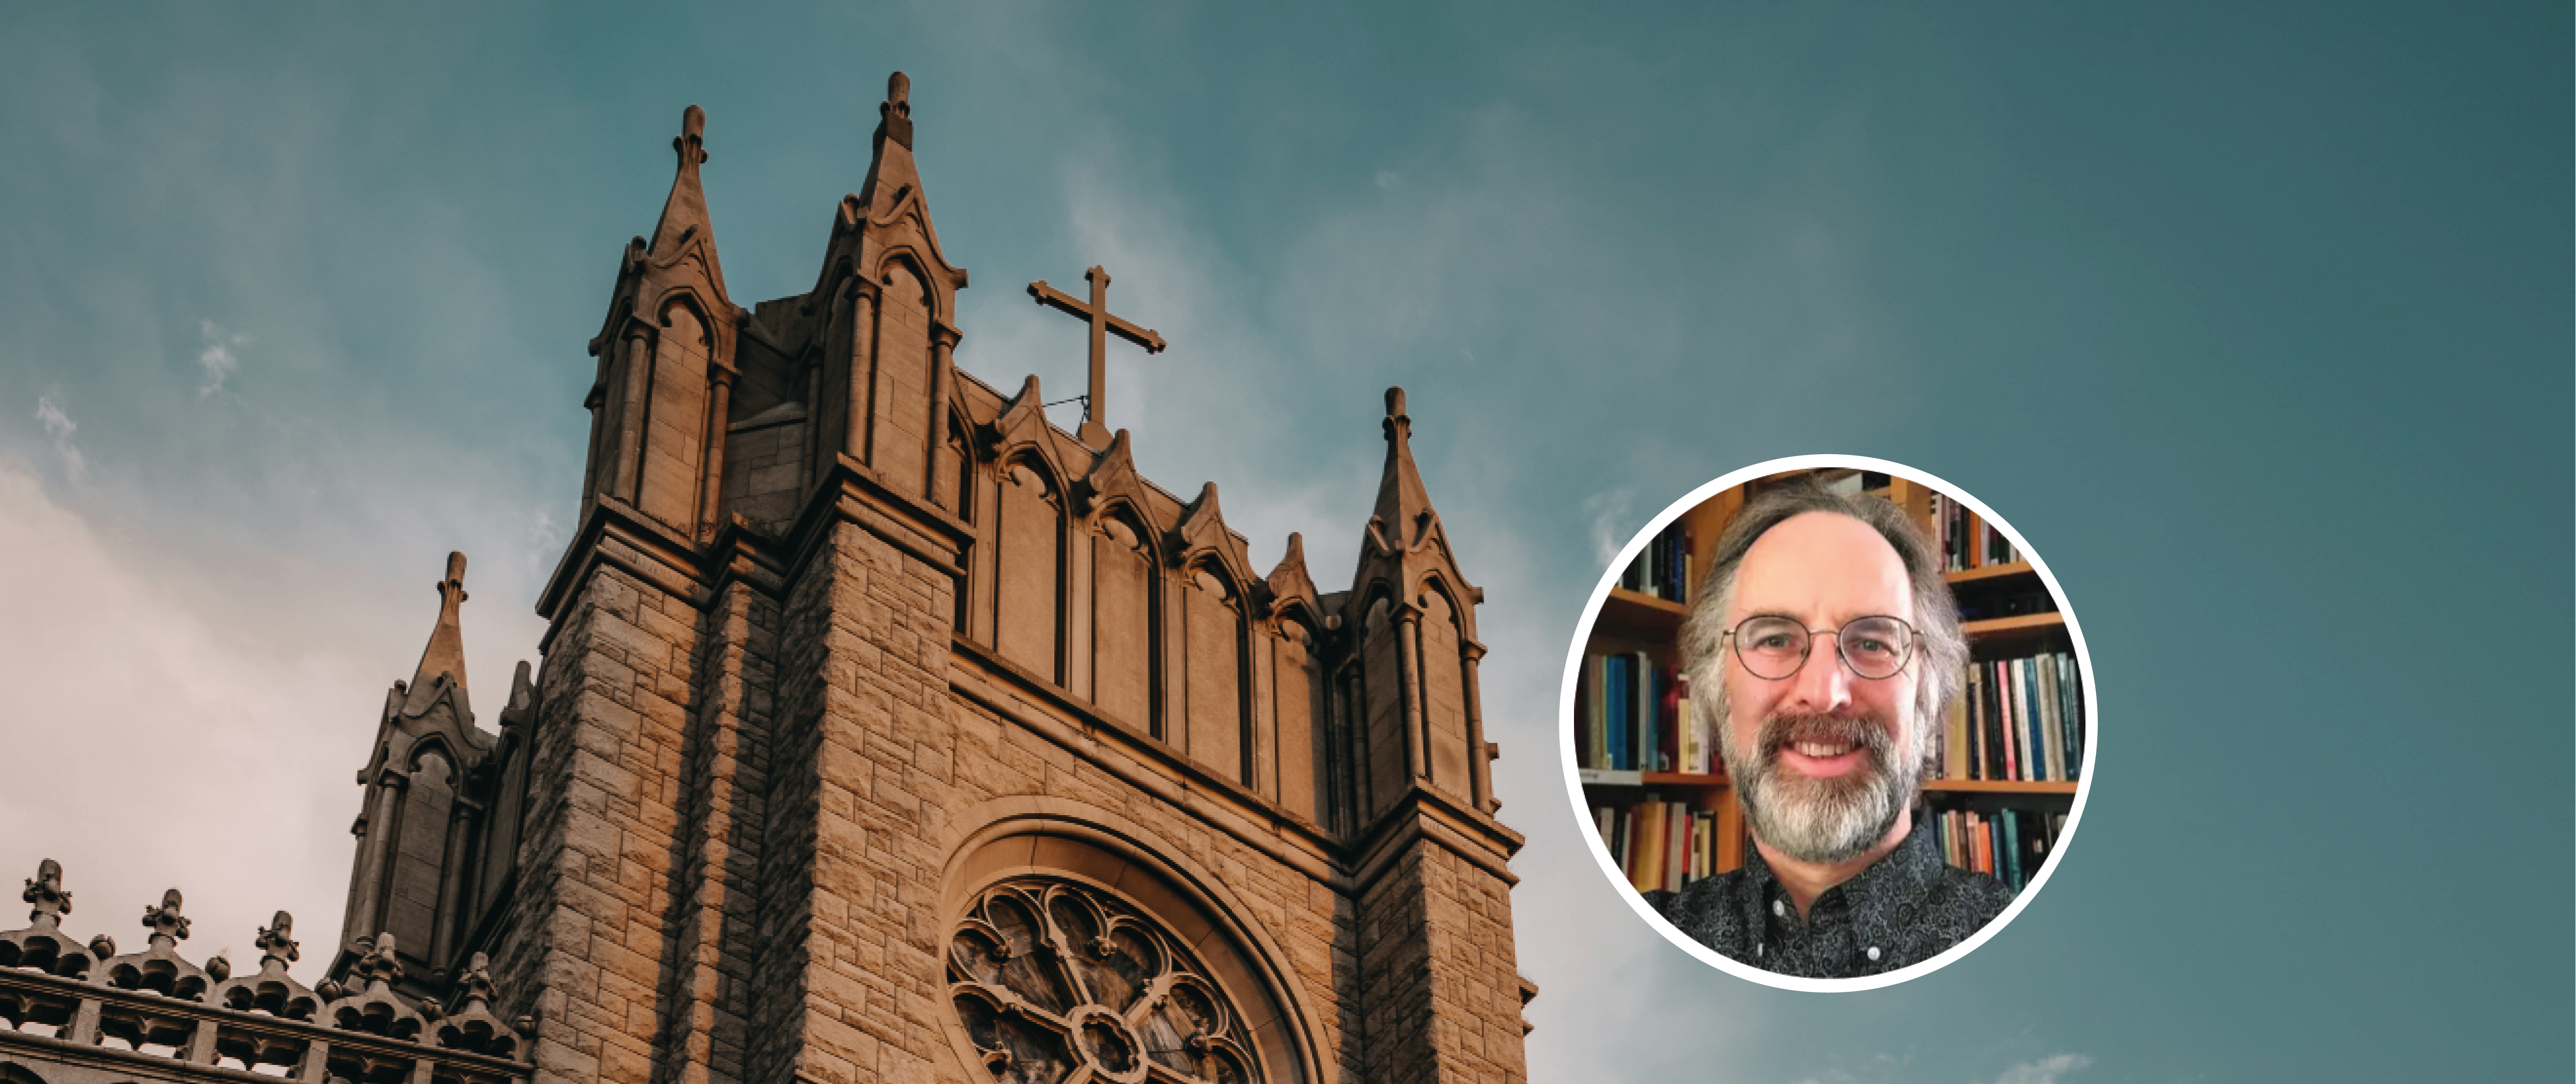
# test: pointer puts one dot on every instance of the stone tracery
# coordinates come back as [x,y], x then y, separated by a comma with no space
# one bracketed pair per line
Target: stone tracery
[1060,983]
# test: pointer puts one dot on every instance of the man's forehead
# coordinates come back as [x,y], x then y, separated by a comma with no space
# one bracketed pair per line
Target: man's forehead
[1822,566]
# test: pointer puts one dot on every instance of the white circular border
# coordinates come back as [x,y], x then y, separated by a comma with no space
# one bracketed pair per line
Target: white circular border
[1574,780]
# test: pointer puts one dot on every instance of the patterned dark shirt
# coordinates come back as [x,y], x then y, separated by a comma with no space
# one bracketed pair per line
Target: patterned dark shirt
[1903,909]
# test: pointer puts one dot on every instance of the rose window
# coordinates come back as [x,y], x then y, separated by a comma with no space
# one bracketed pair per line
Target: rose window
[1057,983]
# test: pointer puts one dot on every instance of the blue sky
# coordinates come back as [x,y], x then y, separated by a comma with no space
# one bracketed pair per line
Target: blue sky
[2254,319]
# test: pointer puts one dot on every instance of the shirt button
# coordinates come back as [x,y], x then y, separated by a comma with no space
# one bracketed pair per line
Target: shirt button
[1873,952]
[1778,908]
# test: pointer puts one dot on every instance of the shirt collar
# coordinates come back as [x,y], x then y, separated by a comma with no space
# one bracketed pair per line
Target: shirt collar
[1899,877]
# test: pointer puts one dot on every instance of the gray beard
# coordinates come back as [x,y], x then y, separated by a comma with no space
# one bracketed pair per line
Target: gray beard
[1821,820]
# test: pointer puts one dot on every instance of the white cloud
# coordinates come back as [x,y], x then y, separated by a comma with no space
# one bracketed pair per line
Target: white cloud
[2046,1070]
[217,357]
[60,427]
[160,745]
[1611,524]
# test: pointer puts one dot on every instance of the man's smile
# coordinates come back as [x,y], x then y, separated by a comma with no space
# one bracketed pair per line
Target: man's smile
[1825,758]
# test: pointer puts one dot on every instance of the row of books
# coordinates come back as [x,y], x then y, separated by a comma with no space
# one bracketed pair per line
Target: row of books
[1633,715]
[1661,846]
[1965,540]
[2017,719]
[1663,569]
[2009,843]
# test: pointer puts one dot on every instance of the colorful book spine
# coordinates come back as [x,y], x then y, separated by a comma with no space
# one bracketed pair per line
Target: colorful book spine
[2016,719]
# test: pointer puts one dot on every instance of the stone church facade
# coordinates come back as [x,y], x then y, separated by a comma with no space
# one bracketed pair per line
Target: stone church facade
[885,732]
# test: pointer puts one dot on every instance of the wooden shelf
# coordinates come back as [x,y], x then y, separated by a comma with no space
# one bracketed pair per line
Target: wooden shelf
[2015,568]
[1658,779]
[1683,779]
[1997,786]
[1993,626]
[1640,618]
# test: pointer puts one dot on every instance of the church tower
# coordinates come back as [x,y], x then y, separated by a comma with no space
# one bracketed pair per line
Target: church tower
[887,731]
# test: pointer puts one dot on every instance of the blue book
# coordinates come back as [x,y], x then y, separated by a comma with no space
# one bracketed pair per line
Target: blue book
[2010,848]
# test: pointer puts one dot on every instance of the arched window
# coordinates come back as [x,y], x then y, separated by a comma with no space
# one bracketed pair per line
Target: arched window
[1297,692]
[1028,571]
[1122,636]
[1444,696]
[675,421]
[900,442]
[1381,710]
[419,855]
[1212,616]
[1053,978]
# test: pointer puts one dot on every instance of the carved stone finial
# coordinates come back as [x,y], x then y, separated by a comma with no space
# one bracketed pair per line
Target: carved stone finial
[45,890]
[895,113]
[692,140]
[277,941]
[220,968]
[444,656]
[380,964]
[475,986]
[1398,424]
[103,947]
[165,921]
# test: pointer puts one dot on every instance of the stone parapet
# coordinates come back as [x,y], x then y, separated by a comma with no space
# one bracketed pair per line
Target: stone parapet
[86,1013]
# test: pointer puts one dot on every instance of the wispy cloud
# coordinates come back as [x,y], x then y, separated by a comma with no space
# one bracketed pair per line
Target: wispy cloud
[1609,512]
[59,427]
[2048,1070]
[115,642]
[217,357]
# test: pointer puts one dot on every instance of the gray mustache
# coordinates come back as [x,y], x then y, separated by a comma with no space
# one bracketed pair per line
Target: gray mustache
[1781,731]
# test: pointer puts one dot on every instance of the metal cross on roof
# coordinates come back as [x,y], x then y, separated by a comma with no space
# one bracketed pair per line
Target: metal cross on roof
[1094,431]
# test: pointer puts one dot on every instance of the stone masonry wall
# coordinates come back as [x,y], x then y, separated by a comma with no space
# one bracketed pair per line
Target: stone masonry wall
[1437,962]
[1395,968]
[851,984]
[595,869]
[1476,981]
[732,871]
[707,970]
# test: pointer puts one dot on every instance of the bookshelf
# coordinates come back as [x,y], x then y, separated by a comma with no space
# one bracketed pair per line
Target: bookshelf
[2008,807]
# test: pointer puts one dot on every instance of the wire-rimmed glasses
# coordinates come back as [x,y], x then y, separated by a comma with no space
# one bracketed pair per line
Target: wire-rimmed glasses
[1772,647]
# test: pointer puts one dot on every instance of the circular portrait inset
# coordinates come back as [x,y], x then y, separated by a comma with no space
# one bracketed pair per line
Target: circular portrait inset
[1829,722]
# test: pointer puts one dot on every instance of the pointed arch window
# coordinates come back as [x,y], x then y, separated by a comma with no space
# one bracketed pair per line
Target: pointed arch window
[1029,572]
[1444,695]
[1297,691]
[1212,617]
[1057,981]
[1122,639]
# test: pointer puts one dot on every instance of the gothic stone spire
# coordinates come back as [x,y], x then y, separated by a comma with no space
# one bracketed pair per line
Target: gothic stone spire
[445,655]
[684,214]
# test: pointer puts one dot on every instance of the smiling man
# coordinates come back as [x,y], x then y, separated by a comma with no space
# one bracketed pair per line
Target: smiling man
[1827,642]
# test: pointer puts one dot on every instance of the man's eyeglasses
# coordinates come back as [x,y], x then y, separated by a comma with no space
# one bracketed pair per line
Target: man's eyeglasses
[1773,648]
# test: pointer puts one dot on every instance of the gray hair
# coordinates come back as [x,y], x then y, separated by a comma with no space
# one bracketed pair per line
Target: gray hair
[1941,649]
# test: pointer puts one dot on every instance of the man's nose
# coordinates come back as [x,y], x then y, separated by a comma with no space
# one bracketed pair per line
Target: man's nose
[1822,685]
